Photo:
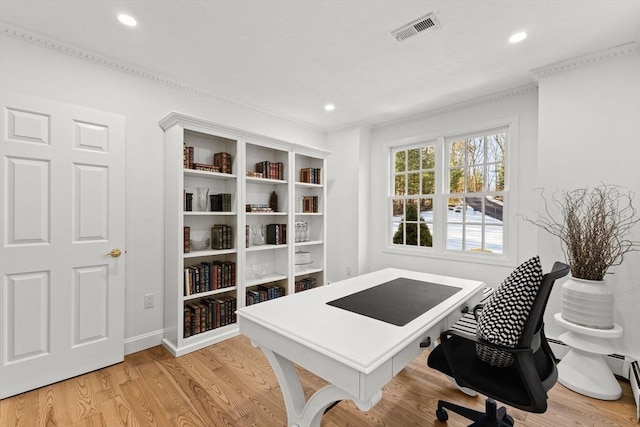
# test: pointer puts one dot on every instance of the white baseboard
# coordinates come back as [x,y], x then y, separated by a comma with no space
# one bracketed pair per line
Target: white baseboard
[621,366]
[143,342]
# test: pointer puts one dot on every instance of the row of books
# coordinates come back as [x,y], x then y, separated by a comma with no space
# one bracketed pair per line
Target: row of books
[208,313]
[264,293]
[307,204]
[271,170]
[221,161]
[305,284]
[209,276]
[276,234]
[310,175]
[220,202]
[258,207]
[221,237]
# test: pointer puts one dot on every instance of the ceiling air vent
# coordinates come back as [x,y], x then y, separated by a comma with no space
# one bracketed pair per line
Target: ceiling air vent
[429,21]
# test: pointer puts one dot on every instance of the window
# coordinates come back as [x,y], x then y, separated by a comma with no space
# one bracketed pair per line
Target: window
[449,194]
[476,192]
[414,191]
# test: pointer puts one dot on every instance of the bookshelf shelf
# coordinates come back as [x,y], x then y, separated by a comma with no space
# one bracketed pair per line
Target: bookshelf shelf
[256,180]
[266,213]
[209,213]
[209,293]
[305,271]
[265,247]
[307,185]
[309,243]
[268,278]
[208,253]
[252,170]
[206,174]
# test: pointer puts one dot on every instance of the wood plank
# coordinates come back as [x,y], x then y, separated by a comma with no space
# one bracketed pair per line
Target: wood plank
[232,384]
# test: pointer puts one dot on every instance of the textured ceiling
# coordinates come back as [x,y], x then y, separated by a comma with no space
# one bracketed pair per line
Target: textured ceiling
[291,57]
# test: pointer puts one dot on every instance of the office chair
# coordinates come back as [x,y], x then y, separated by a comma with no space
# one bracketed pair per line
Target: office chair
[519,375]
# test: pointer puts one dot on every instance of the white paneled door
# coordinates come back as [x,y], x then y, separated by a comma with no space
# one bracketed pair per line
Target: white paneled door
[61,241]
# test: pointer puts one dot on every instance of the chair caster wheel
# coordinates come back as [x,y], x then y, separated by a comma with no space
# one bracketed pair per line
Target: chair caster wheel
[508,419]
[442,415]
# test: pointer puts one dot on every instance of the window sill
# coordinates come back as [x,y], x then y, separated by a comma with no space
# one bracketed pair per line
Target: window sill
[466,257]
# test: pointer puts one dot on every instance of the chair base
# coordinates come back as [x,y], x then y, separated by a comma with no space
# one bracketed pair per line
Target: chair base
[492,417]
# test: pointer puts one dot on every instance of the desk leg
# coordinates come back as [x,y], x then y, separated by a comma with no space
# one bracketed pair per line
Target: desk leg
[308,414]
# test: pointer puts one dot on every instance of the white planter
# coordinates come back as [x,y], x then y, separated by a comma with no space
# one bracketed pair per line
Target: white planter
[587,303]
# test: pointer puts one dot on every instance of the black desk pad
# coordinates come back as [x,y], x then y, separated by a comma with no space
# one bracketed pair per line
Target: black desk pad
[398,301]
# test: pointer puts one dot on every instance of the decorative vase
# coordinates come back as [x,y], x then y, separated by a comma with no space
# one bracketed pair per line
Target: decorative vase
[587,303]
[203,198]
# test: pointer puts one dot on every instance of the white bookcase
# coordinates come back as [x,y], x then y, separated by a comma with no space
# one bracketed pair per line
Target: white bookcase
[259,262]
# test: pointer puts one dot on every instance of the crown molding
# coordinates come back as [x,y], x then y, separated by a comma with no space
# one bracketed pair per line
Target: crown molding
[350,125]
[517,91]
[619,51]
[21,33]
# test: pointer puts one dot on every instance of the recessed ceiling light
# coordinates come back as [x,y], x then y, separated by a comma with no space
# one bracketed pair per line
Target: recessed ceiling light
[127,20]
[517,37]
[329,107]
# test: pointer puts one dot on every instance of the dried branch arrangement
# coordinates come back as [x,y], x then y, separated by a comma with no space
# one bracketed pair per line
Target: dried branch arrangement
[593,226]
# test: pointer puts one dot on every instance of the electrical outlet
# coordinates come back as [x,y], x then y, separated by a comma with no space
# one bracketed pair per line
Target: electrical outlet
[148,301]
[348,270]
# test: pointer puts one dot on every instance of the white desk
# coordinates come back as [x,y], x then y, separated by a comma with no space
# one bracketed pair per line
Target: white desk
[356,354]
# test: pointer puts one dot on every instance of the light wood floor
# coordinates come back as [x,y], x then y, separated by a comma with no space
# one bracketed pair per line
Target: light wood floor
[231,384]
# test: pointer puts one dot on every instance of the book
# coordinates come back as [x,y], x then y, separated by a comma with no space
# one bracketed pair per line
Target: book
[223,162]
[187,237]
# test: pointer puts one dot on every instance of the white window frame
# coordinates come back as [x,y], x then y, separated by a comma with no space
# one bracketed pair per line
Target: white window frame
[439,250]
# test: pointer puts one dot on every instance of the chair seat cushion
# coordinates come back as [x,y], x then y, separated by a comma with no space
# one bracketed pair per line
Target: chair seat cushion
[503,317]
[473,373]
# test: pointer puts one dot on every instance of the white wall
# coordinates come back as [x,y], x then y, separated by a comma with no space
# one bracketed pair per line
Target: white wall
[348,192]
[521,103]
[47,73]
[589,127]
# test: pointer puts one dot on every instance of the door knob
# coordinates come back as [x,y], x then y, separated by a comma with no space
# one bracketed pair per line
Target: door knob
[115,253]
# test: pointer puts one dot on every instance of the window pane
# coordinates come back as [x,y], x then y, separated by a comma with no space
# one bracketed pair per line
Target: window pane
[426,222]
[414,159]
[426,210]
[398,234]
[495,147]
[493,239]
[399,186]
[456,153]
[398,210]
[493,207]
[455,208]
[456,180]
[475,179]
[495,177]
[429,157]
[454,237]
[475,151]
[413,183]
[473,237]
[412,210]
[412,234]
[473,209]
[400,161]
[428,183]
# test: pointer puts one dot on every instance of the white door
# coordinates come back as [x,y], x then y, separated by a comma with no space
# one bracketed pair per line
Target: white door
[61,213]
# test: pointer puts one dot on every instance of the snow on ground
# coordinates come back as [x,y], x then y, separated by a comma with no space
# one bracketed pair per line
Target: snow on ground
[493,229]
